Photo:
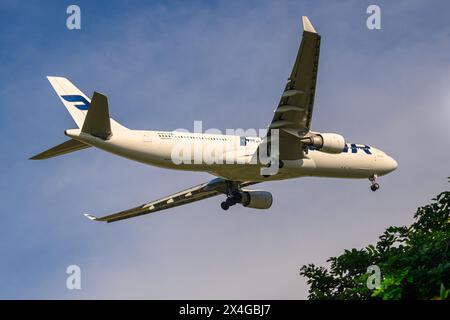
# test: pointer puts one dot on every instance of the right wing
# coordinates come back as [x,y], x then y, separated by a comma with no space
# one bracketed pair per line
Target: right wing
[293,115]
[203,191]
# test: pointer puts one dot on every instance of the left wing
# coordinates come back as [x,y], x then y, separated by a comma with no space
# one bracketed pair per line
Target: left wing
[203,191]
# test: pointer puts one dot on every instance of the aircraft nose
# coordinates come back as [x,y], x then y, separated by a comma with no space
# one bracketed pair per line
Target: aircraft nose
[392,164]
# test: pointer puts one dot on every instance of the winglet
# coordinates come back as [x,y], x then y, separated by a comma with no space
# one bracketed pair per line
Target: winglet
[90,217]
[307,25]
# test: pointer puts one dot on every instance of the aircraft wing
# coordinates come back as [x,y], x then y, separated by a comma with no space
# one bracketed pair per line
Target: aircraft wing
[293,114]
[203,191]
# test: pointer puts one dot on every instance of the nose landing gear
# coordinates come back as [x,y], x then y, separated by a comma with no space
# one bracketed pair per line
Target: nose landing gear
[375,186]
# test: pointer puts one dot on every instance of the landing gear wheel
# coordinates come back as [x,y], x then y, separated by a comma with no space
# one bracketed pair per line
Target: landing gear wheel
[375,187]
[224,205]
[231,201]
[233,194]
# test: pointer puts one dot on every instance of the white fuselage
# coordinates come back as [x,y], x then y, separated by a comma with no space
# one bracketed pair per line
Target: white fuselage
[230,157]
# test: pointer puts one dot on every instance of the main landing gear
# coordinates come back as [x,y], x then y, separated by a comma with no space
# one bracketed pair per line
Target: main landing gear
[233,195]
[231,201]
[375,186]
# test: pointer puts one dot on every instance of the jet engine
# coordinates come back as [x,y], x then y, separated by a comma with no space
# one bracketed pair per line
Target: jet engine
[326,142]
[256,199]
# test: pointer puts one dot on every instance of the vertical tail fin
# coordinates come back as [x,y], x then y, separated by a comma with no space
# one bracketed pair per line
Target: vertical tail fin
[76,102]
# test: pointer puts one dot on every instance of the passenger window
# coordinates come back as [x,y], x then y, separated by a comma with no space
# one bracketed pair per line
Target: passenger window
[243,142]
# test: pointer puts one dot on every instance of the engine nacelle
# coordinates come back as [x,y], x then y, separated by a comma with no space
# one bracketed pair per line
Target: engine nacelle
[327,142]
[256,199]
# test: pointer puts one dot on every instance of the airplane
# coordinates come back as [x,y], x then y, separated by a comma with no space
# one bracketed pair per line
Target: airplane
[300,152]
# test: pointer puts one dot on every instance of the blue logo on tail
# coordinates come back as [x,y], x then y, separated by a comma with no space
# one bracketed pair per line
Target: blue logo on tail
[77,98]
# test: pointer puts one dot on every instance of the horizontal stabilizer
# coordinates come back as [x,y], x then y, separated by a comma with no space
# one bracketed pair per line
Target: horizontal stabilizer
[97,122]
[63,148]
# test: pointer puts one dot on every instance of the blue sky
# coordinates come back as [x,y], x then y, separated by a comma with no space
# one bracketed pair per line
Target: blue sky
[164,64]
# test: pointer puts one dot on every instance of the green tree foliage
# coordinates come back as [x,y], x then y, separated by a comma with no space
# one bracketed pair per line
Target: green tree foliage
[414,262]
